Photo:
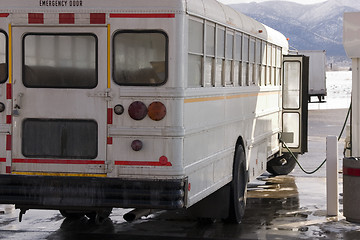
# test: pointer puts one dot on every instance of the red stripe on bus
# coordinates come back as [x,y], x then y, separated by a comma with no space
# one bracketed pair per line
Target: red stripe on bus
[351,172]
[58,161]
[110,116]
[36,18]
[8,169]
[8,119]
[66,18]
[4,15]
[97,18]
[8,142]
[8,91]
[142,15]
[2,159]
[142,163]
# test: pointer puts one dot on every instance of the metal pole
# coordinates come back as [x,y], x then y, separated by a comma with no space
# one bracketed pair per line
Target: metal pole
[332,182]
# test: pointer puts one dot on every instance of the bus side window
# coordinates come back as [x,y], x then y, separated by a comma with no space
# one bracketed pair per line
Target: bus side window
[229,55]
[196,50]
[210,54]
[245,61]
[3,57]
[263,64]
[237,58]
[220,56]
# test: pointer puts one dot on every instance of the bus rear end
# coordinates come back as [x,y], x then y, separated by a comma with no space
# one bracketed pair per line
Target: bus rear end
[90,108]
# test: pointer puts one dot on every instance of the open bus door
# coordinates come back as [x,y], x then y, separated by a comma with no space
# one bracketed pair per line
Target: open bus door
[294,114]
[295,103]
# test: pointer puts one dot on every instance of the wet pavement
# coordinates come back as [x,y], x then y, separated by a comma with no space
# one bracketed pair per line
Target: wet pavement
[283,207]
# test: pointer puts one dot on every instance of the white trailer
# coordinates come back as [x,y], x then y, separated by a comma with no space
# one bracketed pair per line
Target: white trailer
[317,73]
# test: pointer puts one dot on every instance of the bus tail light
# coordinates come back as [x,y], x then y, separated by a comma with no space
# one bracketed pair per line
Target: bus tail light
[119,109]
[136,145]
[137,110]
[157,111]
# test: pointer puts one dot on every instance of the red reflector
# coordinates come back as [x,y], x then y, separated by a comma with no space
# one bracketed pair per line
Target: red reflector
[8,142]
[355,172]
[137,110]
[66,18]
[142,15]
[109,116]
[36,18]
[8,169]
[8,91]
[8,119]
[97,18]
[163,160]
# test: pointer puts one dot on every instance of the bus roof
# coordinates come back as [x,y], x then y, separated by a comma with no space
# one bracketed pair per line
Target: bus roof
[209,9]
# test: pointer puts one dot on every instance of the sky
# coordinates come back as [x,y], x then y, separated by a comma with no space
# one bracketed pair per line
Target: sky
[247,1]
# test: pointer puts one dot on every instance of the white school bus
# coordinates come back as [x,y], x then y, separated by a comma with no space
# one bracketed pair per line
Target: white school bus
[143,104]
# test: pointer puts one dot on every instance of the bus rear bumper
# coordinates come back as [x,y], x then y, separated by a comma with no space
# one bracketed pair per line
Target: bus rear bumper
[84,193]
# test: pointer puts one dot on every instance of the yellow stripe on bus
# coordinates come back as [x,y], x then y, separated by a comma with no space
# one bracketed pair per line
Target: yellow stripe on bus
[10,53]
[206,99]
[60,174]
[108,55]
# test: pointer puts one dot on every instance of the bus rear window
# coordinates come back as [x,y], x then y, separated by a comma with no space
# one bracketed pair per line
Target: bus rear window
[60,61]
[3,58]
[140,58]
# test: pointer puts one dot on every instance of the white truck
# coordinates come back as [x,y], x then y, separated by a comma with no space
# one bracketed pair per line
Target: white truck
[317,73]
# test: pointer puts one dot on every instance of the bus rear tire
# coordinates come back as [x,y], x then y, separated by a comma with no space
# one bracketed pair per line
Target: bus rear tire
[71,214]
[282,165]
[238,187]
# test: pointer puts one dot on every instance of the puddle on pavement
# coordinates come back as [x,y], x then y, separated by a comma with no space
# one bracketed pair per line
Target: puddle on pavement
[282,207]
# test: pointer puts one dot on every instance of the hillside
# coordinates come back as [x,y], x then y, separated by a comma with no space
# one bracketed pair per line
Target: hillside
[309,27]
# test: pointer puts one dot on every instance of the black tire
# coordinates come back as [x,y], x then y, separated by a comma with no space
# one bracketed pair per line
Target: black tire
[282,165]
[99,216]
[71,214]
[238,187]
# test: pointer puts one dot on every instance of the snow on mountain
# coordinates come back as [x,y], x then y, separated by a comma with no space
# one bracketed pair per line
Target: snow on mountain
[316,26]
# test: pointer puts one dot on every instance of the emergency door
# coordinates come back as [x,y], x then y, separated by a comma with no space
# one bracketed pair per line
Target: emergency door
[294,102]
[59,106]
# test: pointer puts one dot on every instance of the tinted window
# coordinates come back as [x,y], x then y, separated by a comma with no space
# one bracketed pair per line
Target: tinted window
[140,58]
[55,138]
[3,57]
[60,61]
